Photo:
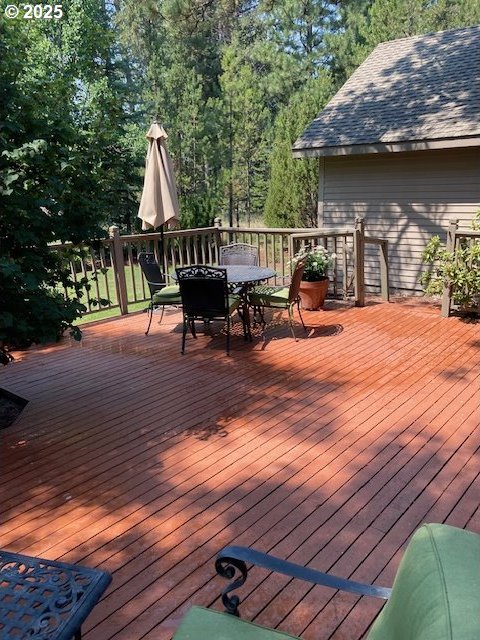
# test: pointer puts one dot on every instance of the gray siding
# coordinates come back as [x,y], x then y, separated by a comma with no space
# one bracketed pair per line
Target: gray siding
[405,198]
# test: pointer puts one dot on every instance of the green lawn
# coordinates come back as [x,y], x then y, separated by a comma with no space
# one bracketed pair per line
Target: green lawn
[109,279]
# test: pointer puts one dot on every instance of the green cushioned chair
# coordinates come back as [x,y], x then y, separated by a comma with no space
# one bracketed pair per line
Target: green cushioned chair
[264,296]
[205,296]
[162,295]
[208,624]
[435,594]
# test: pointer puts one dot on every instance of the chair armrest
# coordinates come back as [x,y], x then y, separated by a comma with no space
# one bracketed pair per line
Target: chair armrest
[231,558]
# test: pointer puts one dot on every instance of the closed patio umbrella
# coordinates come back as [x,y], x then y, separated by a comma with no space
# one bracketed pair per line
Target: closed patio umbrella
[159,203]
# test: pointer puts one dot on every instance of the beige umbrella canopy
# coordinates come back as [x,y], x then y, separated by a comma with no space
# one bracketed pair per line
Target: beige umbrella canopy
[159,203]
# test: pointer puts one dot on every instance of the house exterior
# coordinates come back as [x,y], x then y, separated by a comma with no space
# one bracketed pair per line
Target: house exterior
[399,144]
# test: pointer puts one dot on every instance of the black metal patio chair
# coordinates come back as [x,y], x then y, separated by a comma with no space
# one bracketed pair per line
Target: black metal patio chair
[161,294]
[205,296]
[239,253]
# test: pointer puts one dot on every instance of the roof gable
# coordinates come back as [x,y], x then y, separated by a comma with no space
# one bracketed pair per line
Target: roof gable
[422,88]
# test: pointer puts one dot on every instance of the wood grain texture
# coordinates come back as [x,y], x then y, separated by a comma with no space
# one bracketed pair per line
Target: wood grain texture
[328,451]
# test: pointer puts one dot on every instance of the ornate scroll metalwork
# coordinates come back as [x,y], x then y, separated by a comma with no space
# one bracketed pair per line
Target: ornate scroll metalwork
[45,599]
[236,557]
[227,568]
[239,253]
[200,271]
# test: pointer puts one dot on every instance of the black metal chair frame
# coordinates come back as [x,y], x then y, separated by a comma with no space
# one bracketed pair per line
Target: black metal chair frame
[205,296]
[155,280]
[238,253]
[232,561]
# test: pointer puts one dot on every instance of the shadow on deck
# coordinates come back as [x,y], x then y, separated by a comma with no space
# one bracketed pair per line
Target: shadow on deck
[328,451]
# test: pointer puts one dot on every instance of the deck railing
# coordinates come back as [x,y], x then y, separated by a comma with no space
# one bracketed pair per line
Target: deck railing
[111,271]
[455,237]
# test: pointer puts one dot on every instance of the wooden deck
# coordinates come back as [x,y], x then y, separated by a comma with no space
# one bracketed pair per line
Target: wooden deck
[328,451]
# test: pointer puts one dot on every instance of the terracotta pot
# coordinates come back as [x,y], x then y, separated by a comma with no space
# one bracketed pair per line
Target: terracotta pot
[313,294]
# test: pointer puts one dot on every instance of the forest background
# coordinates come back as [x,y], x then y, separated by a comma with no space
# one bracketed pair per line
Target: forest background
[234,82]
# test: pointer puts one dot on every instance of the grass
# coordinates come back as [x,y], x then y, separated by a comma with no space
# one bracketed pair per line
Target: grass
[134,290]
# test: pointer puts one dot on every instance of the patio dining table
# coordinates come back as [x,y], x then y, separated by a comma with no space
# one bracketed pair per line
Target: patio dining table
[46,599]
[247,275]
[242,278]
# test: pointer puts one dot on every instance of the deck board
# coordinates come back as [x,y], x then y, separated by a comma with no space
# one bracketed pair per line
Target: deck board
[328,451]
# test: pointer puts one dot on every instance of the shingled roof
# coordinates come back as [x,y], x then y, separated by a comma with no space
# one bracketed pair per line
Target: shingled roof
[412,93]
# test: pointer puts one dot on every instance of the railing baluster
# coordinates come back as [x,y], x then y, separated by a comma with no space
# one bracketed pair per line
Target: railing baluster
[201,245]
[95,275]
[103,266]
[335,267]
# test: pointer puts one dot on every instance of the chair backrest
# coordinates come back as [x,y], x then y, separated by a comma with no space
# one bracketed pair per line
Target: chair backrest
[435,593]
[204,291]
[151,271]
[297,275]
[239,253]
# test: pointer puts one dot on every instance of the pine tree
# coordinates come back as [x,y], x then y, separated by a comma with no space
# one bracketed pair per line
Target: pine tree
[292,194]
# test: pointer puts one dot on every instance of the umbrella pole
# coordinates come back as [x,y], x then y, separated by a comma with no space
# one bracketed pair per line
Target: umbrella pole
[162,253]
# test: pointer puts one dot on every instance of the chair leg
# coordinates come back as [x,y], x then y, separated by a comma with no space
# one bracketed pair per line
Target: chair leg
[192,328]
[257,311]
[150,316]
[184,334]
[290,320]
[161,315]
[262,317]
[301,318]
[228,335]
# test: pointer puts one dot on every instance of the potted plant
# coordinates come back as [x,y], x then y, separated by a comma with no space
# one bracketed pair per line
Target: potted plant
[314,285]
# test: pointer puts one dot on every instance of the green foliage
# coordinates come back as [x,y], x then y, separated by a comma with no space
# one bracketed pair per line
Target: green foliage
[293,188]
[317,261]
[234,84]
[458,270]
[61,163]
[363,24]
[219,76]
[196,211]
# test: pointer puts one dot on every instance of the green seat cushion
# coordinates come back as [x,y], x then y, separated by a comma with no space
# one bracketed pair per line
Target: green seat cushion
[233,303]
[208,624]
[265,296]
[167,295]
[436,592]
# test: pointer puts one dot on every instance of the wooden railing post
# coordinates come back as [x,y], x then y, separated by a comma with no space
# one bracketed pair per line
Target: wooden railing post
[450,246]
[384,271]
[345,267]
[217,224]
[359,258]
[119,269]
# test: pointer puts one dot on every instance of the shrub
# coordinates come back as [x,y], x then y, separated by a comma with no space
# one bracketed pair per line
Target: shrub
[459,270]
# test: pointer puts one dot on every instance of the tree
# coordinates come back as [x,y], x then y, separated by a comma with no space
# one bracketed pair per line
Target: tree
[59,164]
[365,23]
[292,195]
[247,120]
